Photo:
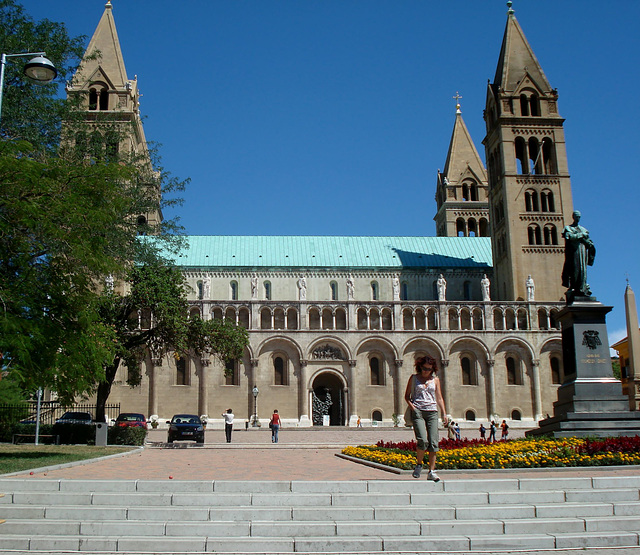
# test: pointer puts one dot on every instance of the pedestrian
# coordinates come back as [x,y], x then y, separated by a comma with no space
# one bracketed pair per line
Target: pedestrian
[505,430]
[359,423]
[228,424]
[424,397]
[274,424]
[483,431]
[451,430]
[492,431]
[457,428]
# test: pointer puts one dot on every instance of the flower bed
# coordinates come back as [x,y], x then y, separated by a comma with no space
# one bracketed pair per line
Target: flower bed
[519,453]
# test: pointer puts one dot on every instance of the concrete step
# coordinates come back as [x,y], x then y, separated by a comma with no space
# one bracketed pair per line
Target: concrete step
[392,516]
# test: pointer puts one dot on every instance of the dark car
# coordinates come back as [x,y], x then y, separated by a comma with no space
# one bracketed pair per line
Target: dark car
[72,417]
[131,420]
[186,426]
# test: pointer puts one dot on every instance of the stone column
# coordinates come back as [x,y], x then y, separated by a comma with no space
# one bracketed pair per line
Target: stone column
[353,397]
[303,396]
[399,404]
[202,386]
[537,394]
[492,389]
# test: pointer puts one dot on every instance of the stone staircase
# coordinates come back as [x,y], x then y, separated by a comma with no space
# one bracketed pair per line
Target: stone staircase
[391,516]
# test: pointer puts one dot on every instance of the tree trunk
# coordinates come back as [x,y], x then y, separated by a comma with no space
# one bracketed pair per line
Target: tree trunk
[104,389]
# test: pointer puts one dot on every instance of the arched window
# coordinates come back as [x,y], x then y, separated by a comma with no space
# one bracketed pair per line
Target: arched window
[556,370]
[535,157]
[231,372]
[200,290]
[341,319]
[461,227]
[465,191]
[267,290]
[363,319]
[550,235]
[265,319]
[524,105]
[243,318]
[467,290]
[407,319]
[516,415]
[549,156]
[514,373]
[470,415]
[521,156]
[472,227]
[531,200]
[292,319]
[314,319]
[484,228]
[546,200]
[473,191]
[93,99]
[374,291]
[375,371]
[376,416]
[233,290]
[404,291]
[278,319]
[334,291]
[534,234]
[280,376]
[104,100]
[141,222]
[182,371]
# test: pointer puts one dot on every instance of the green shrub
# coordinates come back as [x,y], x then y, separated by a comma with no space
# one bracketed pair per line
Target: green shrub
[8,430]
[127,436]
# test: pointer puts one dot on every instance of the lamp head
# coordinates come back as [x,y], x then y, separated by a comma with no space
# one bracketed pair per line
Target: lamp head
[40,70]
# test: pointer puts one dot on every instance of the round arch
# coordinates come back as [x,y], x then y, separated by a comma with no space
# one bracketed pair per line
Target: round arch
[516,341]
[279,340]
[329,339]
[328,392]
[377,339]
[469,341]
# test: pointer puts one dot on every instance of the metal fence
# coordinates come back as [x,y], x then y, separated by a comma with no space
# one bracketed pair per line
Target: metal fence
[50,411]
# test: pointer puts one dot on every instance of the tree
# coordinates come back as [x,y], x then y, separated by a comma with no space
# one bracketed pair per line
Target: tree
[152,320]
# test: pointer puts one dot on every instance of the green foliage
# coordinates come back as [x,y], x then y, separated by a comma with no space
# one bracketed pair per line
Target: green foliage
[30,111]
[7,430]
[11,391]
[127,436]
[615,365]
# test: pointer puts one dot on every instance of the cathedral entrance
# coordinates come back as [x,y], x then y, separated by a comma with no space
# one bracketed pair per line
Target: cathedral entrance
[328,400]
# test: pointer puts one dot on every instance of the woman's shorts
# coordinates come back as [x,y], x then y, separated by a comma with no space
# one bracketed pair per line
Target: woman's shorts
[425,427]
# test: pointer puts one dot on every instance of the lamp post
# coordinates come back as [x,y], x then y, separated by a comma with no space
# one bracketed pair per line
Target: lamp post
[255,405]
[38,69]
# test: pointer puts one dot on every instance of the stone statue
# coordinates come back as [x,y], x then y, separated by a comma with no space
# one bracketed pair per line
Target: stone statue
[206,288]
[302,288]
[442,288]
[485,284]
[254,287]
[350,288]
[396,288]
[531,289]
[579,252]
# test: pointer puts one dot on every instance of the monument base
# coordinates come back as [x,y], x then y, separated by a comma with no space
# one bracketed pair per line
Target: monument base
[590,401]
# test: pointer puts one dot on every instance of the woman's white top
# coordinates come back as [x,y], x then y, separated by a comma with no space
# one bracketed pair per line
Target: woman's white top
[424,394]
[228,417]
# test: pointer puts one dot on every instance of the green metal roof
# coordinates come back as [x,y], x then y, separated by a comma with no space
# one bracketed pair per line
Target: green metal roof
[221,251]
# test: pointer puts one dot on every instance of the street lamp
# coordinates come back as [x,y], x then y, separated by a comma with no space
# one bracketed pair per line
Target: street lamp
[255,405]
[39,69]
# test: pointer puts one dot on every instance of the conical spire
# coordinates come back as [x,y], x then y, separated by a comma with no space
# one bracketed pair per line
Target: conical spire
[517,58]
[110,61]
[462,155]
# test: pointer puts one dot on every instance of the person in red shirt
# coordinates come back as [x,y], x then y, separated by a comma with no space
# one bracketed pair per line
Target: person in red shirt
[275,426]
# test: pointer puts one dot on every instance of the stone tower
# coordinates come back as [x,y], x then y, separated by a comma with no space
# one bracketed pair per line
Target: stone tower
[109,103]
[461,190]
[529,185]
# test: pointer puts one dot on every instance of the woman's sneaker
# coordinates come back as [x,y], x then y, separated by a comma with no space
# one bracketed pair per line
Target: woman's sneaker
[432,476]
[417,471]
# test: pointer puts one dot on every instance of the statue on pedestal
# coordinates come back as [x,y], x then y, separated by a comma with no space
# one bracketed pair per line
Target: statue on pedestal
[442,288]
[531,289]
[579,252]
[485,284]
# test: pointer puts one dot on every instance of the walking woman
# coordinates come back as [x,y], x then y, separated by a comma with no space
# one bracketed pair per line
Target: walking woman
[424,397]
[275,426]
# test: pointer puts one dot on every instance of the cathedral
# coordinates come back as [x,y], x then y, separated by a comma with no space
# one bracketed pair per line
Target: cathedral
[336,322]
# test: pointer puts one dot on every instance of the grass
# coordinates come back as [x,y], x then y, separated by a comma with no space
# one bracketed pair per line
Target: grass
[14,458]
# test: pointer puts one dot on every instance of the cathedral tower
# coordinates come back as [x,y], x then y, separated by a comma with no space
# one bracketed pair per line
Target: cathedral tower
[529,185]
[461,190]
[110,104]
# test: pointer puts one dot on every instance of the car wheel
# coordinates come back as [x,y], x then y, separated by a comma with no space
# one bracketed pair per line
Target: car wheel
[200,440]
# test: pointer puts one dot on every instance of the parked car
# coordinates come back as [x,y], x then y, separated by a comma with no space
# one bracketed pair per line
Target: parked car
[186,426]
[131,420]
[72,417]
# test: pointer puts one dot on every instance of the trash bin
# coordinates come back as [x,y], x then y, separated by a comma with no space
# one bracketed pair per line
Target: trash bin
[101,433]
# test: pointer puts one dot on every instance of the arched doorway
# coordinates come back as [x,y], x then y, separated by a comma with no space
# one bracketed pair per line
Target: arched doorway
[327,399]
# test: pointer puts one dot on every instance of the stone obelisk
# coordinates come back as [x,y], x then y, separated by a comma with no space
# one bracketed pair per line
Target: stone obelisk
[633,338]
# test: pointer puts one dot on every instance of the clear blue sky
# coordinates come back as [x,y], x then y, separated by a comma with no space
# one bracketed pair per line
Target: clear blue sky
[331,117]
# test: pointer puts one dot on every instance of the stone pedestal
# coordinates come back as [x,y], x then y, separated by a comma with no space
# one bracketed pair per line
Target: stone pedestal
[590,401]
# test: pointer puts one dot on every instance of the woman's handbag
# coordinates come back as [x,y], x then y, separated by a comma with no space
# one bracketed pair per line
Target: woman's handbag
[408,418]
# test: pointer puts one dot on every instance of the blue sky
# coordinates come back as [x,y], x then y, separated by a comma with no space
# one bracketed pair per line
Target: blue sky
[331,117]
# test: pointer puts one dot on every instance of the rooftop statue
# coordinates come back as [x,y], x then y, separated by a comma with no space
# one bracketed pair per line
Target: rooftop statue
[579,252]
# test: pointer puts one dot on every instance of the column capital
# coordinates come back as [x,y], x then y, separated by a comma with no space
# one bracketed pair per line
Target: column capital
[304,362]
[535,362]
[205,361]
[491,362]
[444,362]
[254,362]
[399,362]
[352,363]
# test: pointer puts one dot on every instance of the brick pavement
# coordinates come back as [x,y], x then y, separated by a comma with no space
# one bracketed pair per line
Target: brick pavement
[302,454]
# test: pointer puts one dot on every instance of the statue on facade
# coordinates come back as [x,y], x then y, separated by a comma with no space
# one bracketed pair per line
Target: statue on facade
[531,289]
[485,285]
[206,288]
[302,288]
[350,288]
[396,288]
[254,287]
[579,252]
[442,288]
[108,283]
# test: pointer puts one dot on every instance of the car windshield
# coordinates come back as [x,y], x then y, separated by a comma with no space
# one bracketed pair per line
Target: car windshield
[185,419]
[76,416]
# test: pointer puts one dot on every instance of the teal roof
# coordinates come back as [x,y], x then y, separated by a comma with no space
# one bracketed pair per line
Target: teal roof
[221,251]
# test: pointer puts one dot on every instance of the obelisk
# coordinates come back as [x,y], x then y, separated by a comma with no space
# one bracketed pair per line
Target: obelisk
[633,338]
